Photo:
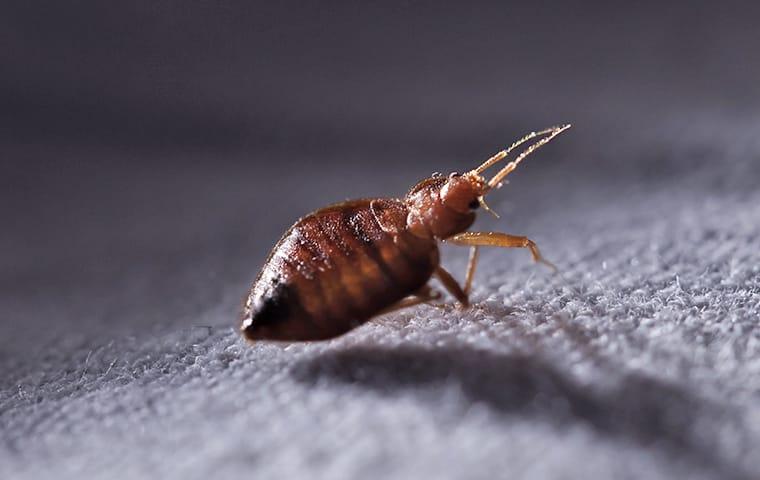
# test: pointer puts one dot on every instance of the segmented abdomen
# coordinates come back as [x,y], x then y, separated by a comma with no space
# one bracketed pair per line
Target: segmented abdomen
[332,271]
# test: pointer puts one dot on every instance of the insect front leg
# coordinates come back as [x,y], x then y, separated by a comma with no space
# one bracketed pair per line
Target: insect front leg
[497,239]
[472,263]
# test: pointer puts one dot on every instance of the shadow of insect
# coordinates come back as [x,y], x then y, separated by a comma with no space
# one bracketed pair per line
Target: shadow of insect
[636,408]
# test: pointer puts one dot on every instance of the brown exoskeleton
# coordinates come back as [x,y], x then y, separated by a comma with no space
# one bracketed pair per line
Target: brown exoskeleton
[338,267]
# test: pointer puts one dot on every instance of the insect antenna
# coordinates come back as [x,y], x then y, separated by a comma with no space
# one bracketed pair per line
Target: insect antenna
[499,177]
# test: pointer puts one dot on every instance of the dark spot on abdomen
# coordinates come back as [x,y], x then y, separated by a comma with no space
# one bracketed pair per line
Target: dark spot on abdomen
[277,315]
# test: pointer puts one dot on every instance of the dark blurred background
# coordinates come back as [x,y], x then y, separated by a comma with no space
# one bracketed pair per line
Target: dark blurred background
[153,151]
[222,77]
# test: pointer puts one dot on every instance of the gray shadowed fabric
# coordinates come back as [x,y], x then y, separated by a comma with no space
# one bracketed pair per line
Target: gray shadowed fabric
[123,270]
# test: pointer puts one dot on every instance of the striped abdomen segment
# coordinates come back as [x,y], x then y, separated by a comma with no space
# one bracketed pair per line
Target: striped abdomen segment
[332,271]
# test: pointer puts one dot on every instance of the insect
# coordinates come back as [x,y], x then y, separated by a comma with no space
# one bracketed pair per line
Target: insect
[341,265]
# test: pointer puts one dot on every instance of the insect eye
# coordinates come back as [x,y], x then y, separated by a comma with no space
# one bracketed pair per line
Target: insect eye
[474,205]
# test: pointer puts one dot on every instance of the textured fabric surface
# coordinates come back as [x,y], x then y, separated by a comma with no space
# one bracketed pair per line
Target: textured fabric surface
[642,358]
[152,153]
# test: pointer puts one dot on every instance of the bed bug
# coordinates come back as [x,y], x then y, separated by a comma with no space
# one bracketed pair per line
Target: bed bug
[339,266]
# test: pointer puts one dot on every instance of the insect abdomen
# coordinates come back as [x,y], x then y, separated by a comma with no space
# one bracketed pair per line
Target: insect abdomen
[332,271]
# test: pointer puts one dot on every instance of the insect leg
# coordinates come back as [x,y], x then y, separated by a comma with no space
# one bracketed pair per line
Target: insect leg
[497,239]
[471,265]
[424,295]
[452,286]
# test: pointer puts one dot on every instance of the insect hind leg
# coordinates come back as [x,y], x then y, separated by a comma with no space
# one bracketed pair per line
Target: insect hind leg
[424,295]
